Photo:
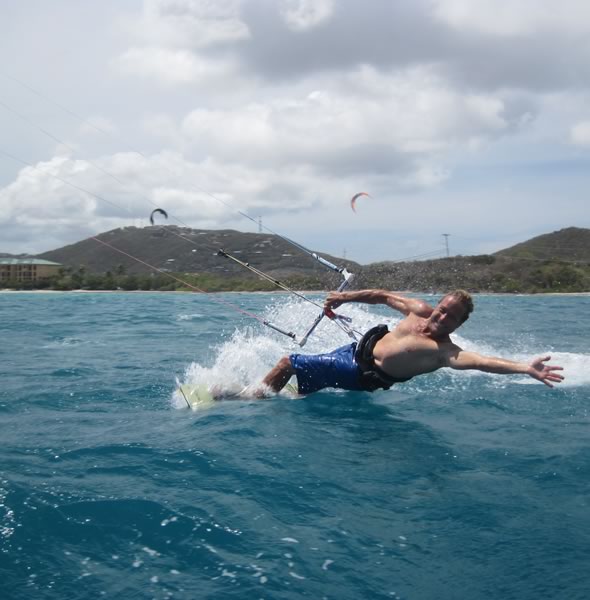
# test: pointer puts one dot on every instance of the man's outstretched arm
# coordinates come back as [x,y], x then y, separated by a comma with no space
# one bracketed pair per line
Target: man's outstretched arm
[459,359]
[395,301]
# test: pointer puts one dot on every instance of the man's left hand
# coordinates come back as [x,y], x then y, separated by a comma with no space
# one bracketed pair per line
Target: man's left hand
[545,373]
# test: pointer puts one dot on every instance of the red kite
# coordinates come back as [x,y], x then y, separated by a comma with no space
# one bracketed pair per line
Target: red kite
[353,199]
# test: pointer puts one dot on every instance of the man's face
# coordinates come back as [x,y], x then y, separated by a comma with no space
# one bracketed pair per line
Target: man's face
[446,317]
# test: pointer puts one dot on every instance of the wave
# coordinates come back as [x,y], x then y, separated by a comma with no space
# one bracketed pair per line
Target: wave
[189,317]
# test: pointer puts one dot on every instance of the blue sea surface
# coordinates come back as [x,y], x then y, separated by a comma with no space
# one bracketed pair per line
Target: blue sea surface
[453,485]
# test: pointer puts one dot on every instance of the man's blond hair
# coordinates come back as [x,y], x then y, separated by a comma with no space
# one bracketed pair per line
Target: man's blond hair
[466,301]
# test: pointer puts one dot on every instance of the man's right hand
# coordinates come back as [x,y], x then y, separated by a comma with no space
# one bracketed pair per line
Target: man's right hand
[333,300]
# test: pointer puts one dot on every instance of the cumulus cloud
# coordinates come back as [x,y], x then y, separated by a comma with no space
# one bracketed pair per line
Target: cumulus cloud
[188,23]
[411,114]
[78,196]
[301,15]
[514,18]
[170,34]
[580,133]
[171,66]
[544,45]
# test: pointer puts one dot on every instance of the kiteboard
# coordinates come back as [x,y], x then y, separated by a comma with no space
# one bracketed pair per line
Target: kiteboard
[197,396]
[200,396]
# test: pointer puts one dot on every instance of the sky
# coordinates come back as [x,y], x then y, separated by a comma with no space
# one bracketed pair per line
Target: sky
[467,121]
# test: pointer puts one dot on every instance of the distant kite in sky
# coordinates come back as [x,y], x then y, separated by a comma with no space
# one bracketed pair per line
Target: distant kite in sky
[157,210]
[353,200]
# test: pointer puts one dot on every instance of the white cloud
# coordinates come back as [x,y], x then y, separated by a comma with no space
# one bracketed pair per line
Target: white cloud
[75,195]
[412,113]
[170,34]
[37,198]
[188,23]
[171,66]
[233,132]
[580,133]
[514,18]
[301,15]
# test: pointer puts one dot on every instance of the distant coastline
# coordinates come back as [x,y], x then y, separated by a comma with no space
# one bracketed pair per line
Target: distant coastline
[557,262]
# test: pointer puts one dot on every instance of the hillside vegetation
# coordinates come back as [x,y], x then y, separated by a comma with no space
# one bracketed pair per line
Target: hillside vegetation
[182,258]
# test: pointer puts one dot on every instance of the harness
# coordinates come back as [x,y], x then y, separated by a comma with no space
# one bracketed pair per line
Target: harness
[372,377]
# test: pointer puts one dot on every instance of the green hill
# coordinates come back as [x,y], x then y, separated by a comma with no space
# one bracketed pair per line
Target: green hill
[554,262]
[571,244]
[172,249]
[187,250]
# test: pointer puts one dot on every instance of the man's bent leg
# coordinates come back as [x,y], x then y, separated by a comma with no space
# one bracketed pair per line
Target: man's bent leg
[278,377]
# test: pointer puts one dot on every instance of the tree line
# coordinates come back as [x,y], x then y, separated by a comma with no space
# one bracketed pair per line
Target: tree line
[117,279]
[475,273]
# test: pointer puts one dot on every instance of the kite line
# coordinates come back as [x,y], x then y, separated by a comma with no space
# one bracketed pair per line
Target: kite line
[340,320]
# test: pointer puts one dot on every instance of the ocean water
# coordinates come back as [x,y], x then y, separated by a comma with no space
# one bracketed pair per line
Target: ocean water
[453,485]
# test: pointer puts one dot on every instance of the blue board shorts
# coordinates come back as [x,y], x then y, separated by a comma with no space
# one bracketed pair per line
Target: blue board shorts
[337,369]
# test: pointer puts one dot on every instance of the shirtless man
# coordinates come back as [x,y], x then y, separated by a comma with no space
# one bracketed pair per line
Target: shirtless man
[419,344]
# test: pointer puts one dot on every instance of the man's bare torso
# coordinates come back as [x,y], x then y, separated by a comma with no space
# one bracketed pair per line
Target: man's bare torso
[408,351]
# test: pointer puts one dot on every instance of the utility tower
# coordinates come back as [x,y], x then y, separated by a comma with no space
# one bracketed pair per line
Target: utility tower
[259,224]
[446,236]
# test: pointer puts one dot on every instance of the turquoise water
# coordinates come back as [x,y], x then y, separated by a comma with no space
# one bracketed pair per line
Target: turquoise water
[453,485]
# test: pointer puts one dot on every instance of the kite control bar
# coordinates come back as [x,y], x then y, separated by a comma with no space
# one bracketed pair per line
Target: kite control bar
[348,277]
